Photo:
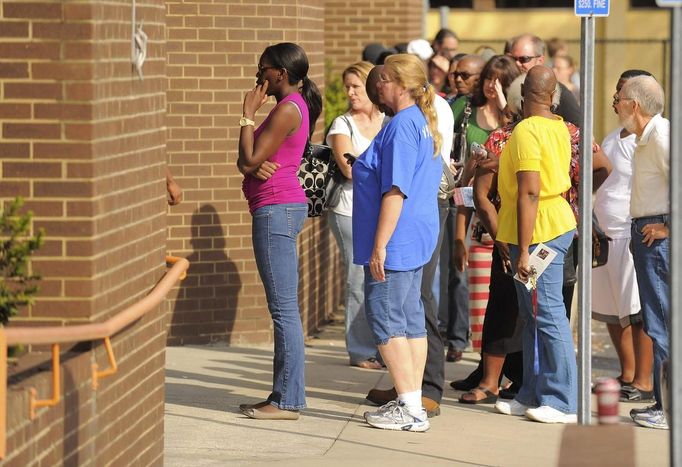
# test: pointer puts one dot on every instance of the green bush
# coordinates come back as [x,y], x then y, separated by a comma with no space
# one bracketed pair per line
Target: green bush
[335,99]
[17,286]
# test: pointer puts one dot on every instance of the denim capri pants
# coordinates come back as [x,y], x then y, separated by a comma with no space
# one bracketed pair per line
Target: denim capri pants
[394,307]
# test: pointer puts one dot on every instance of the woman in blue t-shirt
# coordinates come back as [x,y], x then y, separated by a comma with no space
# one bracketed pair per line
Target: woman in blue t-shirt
[395,229]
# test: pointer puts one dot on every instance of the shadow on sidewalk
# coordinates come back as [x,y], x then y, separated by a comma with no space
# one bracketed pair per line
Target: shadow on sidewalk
[222,383]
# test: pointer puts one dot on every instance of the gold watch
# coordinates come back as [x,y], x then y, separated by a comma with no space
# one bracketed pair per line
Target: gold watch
[246,122]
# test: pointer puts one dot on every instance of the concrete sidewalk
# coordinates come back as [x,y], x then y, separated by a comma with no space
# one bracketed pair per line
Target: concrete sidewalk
[203,426]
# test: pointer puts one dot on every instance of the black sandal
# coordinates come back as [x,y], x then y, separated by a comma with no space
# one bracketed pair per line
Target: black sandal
[629,393]
[490,397]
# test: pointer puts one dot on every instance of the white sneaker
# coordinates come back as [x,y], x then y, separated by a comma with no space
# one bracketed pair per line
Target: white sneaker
[512,407]
[394,416]
[547,414]
[650,417]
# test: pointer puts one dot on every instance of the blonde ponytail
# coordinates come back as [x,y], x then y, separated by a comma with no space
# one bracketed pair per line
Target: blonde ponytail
[426,103]
[409,72]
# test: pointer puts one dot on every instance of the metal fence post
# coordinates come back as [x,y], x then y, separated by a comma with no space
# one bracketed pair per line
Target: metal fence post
[675,413]
[585,223]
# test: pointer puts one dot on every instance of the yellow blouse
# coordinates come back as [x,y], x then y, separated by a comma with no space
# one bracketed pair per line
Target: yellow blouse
[537,144]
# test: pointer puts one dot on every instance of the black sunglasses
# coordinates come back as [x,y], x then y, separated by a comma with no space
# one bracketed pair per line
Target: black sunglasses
[523,59]
[261,69]
[463,74]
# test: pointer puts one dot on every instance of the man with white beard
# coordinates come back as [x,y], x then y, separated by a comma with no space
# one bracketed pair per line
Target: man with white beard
[640,103]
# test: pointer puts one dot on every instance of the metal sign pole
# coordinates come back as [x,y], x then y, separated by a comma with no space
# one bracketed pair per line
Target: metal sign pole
[675,413]
[585,223]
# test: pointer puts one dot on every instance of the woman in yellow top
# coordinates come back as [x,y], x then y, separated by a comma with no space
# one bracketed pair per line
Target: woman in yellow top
[533,174]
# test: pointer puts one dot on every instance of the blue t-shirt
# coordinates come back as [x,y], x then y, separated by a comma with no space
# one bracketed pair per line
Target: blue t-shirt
[401,155]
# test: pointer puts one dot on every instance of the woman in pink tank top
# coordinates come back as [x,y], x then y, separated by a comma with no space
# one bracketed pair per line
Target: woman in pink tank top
[269,157]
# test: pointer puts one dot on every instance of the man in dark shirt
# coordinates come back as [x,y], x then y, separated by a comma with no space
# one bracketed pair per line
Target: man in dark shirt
[528,50]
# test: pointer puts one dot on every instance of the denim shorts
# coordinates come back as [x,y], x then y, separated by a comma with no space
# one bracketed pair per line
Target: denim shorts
[394,307]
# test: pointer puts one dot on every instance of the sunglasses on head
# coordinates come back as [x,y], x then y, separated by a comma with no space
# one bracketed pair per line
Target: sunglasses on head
[463,74]
[523,59]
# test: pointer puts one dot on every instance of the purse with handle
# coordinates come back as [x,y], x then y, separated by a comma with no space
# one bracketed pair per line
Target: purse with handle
[600,244]
[315,173]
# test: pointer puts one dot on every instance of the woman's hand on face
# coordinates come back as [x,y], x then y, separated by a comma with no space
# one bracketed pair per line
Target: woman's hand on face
[266,170]
[500,98]
[254,99]
[376,264]
[522,267]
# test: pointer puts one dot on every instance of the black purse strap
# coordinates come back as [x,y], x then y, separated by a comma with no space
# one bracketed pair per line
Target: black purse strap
[350,127]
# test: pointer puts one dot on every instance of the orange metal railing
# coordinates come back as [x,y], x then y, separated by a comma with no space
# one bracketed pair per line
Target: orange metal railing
[55,335]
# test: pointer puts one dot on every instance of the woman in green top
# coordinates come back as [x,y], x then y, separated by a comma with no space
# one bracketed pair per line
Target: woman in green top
[487,105]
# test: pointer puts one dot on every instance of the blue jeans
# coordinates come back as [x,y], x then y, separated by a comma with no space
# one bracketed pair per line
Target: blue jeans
[556,385]
[394,307]
[652,267]
[274,230]
[359,341]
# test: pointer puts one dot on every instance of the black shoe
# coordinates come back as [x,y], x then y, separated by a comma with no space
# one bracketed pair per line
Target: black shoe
[453,355]
[382,396]
[470,382]
[510,392]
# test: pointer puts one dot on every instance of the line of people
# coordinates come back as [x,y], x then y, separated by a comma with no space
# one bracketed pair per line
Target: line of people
[391,220]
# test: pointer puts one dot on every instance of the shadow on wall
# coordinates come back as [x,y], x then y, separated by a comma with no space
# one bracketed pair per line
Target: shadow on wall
[321,275]
[206,306]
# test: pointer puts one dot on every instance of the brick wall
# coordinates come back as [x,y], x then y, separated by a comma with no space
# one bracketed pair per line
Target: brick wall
[86,143]
[83,140]
[352,24]
[213,50]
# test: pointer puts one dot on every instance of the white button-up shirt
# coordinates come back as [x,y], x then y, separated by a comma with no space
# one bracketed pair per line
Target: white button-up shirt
[651,170]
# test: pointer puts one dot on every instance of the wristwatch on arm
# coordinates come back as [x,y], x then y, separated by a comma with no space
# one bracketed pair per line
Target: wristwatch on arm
[246,122]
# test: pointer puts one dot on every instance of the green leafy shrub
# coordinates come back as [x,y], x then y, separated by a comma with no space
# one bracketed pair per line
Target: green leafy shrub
[335,99]
[18,285]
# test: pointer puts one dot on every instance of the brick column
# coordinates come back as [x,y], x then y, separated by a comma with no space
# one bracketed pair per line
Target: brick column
[83,139]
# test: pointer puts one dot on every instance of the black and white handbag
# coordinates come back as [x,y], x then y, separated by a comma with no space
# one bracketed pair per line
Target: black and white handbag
[315,173]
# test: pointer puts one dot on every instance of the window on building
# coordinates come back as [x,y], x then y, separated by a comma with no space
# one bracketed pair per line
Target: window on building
[534,3]
[643,4]
[452,3]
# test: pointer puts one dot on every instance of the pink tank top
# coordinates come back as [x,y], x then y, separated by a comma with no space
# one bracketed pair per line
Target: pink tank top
[283,187]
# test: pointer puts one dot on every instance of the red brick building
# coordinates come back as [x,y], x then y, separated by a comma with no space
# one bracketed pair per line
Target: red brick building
[86,142]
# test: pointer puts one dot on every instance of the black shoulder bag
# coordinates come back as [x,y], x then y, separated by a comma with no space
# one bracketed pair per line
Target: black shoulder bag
[459,144]
[314,174]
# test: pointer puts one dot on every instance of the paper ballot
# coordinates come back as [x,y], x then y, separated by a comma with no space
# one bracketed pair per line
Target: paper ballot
[464,196]
[538,261]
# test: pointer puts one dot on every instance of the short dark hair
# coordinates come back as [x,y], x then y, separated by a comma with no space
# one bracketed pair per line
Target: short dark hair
[442,34]
[627,74]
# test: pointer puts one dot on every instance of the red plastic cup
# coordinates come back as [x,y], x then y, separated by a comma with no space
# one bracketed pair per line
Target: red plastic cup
[608,397]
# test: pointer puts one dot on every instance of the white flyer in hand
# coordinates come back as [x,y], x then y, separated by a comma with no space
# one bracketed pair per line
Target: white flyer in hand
[538,261]
[464,196]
